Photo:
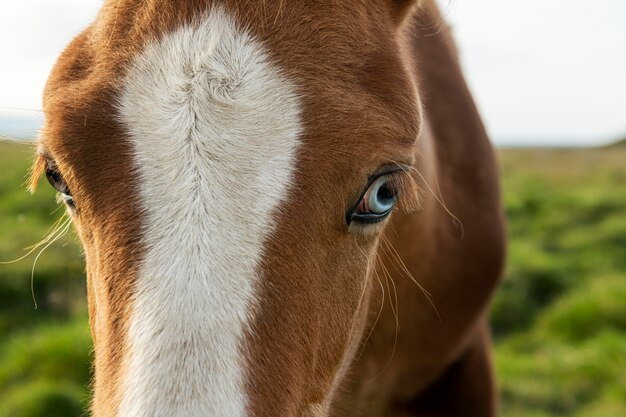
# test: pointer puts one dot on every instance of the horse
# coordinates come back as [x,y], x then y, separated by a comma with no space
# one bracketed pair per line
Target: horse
[287,208]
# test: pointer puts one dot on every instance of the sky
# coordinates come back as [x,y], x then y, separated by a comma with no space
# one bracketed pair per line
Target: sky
[543,72]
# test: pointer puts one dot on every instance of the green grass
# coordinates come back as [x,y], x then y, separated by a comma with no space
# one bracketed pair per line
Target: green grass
[44,353]
[560,315]
[559,318]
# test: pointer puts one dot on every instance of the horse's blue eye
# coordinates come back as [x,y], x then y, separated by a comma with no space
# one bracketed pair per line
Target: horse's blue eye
[377,202]
[380,197]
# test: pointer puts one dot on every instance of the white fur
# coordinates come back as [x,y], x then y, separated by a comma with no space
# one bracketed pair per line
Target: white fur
[215,128]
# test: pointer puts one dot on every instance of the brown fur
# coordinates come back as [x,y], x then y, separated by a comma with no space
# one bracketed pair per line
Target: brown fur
[325,334]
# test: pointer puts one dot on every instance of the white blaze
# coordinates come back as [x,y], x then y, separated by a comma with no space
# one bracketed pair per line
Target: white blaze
[214,126]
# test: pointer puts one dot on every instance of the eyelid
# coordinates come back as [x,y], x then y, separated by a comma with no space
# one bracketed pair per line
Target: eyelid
[43,152]
[389,169]
[396,174]
[50,162]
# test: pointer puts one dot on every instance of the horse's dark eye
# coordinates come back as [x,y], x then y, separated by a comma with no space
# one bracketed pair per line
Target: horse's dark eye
[56,180]
[376,203]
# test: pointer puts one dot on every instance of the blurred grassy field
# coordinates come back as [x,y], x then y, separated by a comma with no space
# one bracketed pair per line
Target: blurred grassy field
[44,353]
[559,319]
[560,316]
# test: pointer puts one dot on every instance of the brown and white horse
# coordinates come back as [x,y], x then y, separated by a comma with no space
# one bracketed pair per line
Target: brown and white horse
[233,167]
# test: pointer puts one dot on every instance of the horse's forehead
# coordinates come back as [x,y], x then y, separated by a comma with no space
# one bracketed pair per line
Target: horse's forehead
[349,74]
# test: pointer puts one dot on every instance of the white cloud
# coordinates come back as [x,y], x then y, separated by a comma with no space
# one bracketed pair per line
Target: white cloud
[33,33]
[546,70]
